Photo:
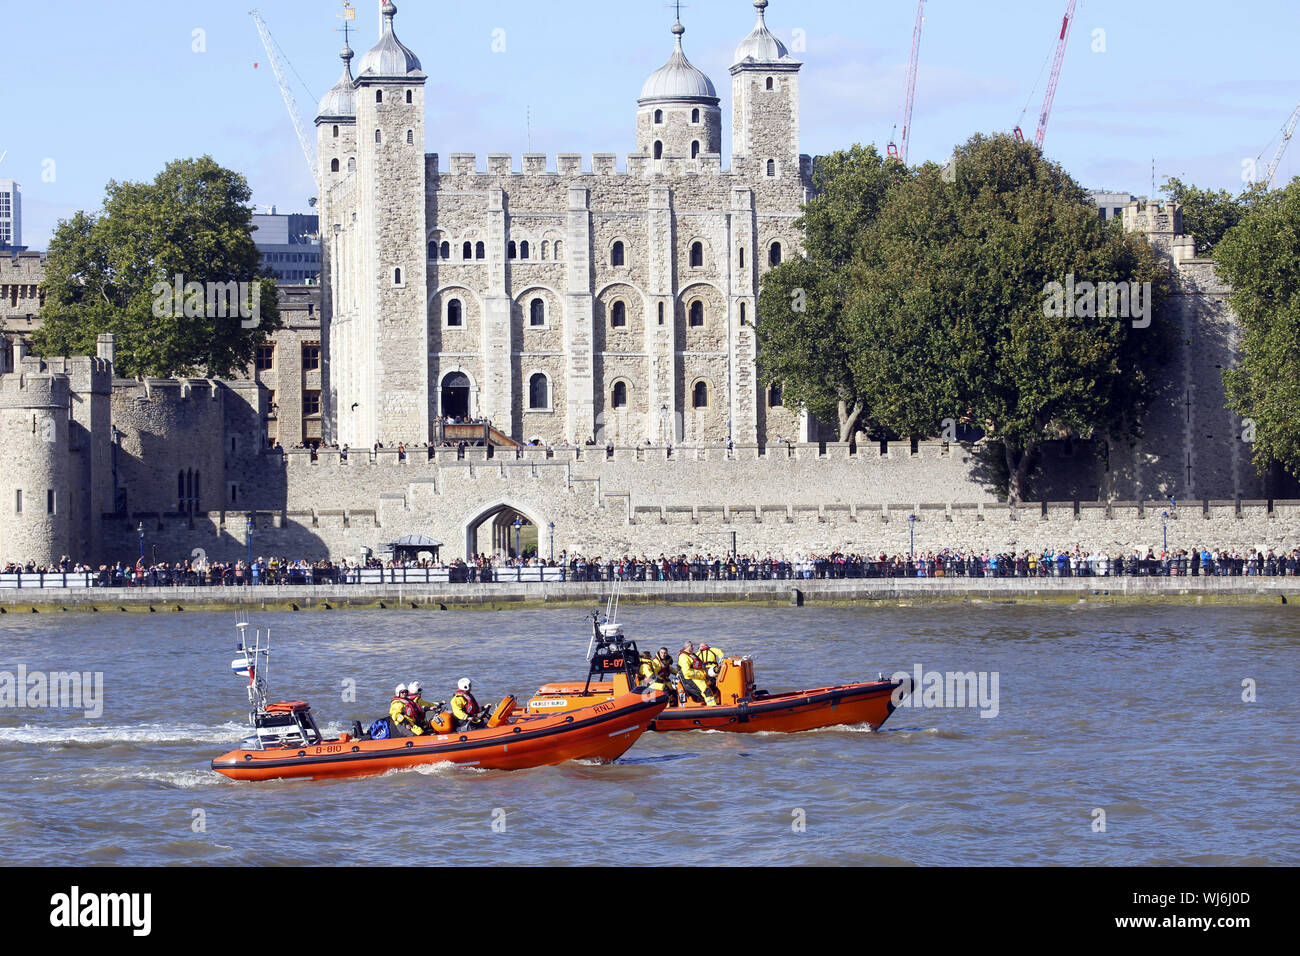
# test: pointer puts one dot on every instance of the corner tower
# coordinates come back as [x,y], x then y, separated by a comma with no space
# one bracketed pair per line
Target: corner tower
[389,400]
[678,113]
[765,101]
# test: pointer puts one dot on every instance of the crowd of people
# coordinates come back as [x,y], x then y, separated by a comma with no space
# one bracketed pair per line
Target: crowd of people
[484,568]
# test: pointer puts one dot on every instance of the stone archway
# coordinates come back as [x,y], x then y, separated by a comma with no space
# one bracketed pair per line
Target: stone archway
[455,398]
[492,531]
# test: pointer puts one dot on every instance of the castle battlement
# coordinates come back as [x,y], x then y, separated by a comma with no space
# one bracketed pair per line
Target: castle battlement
[605,165]
[34,389]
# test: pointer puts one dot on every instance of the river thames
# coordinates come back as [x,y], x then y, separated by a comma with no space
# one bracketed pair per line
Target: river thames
[1107,735]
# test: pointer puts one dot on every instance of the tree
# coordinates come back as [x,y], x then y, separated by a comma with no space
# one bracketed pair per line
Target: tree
[964,285]
[808,342]
[1260,257]
[1207,214]
[169,268]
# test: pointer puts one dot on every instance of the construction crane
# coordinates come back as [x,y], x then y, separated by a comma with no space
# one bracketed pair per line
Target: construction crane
[1046,112]
[1287,132]
[278,62]
[894,150]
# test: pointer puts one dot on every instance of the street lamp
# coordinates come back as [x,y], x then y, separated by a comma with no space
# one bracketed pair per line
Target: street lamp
[140,530]
[552,527]
[248,528]
[911,536]
[1164,529]
[519,523]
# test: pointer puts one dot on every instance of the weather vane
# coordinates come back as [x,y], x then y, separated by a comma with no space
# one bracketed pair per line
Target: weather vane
[677,5]
[348,14]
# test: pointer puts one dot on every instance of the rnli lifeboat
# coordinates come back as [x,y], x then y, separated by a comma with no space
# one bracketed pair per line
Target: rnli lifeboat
[287,743]
[741,707]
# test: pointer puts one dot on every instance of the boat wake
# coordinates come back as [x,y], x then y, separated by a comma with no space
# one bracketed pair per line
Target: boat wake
[127,734]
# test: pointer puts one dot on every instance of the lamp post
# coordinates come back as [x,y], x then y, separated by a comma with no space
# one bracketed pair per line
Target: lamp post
[552,527]
[140,530]
[248,528]
[519,523]
[1164,529]
[911,537]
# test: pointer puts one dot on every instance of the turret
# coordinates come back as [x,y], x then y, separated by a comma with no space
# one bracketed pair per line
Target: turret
[678,113]
[765,101]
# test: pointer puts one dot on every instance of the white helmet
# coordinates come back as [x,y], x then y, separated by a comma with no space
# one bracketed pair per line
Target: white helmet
[399,690]
[464,684]
[414,687]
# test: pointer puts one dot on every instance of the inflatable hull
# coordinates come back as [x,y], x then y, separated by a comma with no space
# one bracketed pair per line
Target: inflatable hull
[600,731]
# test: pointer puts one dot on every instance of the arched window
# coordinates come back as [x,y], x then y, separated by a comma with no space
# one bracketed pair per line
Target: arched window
[539,392]
[616,256]
[408,96]
[697,314]
[510,250]
[774,397]
[379,96]
[659,116]
[618,315]
[741,250]
[410,137]
[444,250]
[479,250]
[336,130]
[695,116]
[695,149]
[659,150]
[619,397]
[774,254]
[397,277]
[661,313]
[455,314]
[697,255]
[352,164]
[700,395]
[378,138]
[523,250]
[467,251]
[771,167]
[537,312]
[334,165]
[559,250]
[769,83]
[433,250]
[742,313]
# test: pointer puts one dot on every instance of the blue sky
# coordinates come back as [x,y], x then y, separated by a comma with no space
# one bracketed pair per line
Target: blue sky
[99,91]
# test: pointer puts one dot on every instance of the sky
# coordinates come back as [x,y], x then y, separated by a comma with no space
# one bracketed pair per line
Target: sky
[101,91]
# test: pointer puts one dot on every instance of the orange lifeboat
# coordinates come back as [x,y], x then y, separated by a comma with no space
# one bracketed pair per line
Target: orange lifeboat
[741,707]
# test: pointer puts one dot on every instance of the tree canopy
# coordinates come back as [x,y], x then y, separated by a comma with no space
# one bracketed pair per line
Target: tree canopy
[1208,214]
[1260,257]
[992,296]
[161,267]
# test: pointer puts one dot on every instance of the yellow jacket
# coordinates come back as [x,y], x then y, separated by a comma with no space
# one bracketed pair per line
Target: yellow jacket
[459,706]
[397,713]
[686,664]
[712,656]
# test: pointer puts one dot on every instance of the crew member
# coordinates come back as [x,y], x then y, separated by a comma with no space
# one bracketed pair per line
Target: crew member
[464,707]
[404,714]
[694,678]
[427,707]
[712,658]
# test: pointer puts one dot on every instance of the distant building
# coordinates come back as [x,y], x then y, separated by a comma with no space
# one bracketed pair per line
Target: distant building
[1110,204]
[290,245]
[11,213]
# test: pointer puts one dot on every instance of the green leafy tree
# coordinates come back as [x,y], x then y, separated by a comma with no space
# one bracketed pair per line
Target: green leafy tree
[808,340]
[962,285]
[1209,214]
[160,267]
[1260,257]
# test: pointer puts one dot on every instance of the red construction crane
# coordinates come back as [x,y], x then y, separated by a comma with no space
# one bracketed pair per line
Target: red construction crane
[1046,112]
[911,84]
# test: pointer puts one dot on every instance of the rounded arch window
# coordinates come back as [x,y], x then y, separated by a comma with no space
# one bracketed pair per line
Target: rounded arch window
[697,255]
[408,96]
[455,314]
[695,116]
[523,249]
[378,137]
[336,130]
[397,277]
[617,255]
[774,397]
[444,250]
[774,254]
[537,312]
[334,165]
[410,137]
[659,116]
[771,167]
[467,251]
[539,391]
[511,250]
[433,249]
[352,164]
[618,399]
[659,150]
[769,83]
[696,314]
[479,250]
[379,96]
[700,395]
[618,315]
[695,149]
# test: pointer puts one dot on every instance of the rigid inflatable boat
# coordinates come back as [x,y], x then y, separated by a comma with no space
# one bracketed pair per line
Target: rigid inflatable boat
[287,743]
[741,707]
